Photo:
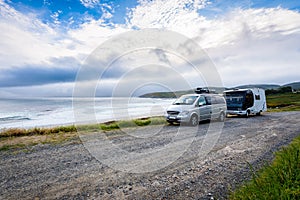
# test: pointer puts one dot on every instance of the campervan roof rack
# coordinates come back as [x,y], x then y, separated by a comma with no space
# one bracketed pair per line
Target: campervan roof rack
[201,91]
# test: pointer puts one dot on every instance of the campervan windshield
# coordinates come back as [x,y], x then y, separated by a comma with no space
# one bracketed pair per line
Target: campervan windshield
[239,100]
[235,99]
[185,100]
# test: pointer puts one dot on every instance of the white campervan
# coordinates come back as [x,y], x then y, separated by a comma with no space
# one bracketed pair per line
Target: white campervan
[245,101]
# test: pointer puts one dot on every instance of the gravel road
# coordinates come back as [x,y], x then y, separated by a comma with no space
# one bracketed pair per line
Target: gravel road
[71,171]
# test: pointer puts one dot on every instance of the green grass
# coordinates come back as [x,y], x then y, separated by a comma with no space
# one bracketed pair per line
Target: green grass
[15,146]
[133,123]
[107,126]
[17,132]
[283,102]
[280,180]
[115,125]
[16,138]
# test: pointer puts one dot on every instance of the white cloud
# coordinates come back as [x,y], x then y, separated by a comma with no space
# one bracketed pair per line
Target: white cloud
[55,17]
[251,45]
[247,46]
[29,44]
[266,60]
[258,46]
[26,40]
[90,35]
[90,3]
[49,90]
[176,15]
[234,26]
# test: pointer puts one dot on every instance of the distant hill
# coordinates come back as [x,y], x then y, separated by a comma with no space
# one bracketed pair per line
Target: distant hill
[177,93]
[263,86]
[166,94]
[295,86]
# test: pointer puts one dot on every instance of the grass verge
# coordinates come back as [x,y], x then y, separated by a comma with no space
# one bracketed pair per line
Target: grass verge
[283,102]
[280,180]
[16,138]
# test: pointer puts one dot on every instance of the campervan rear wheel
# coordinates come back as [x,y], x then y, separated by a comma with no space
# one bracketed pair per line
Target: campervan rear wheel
[259,113]
[194,120]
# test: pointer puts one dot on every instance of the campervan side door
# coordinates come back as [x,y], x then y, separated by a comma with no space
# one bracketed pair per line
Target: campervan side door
[260,104]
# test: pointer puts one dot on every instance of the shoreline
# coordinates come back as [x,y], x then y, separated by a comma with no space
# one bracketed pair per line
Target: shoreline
[105,122]
[45,113]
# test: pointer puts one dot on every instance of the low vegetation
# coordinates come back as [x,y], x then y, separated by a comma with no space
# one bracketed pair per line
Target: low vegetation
[280,90]
[16,132]
[125,124]
[283,102]
[280,180]
[115,125]
[16,138]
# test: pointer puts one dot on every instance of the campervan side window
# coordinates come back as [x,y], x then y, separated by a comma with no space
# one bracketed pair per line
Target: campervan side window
[257,97]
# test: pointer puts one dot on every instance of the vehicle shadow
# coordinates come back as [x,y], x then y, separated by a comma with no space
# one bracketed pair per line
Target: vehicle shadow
[186,124]
[242,116]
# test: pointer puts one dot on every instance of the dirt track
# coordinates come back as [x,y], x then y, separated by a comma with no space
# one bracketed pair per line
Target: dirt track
[69,171]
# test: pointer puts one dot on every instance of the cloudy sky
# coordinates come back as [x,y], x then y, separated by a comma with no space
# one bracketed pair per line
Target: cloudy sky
[44,43]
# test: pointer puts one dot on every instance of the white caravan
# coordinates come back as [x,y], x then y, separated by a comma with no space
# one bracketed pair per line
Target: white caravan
[245,101]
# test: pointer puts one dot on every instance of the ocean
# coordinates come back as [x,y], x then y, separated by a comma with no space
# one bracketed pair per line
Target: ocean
[49,112]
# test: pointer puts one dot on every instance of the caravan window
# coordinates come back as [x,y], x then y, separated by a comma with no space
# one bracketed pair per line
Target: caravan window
[257,97]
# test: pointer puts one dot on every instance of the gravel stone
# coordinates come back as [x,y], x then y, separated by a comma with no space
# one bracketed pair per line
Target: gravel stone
[69,171]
